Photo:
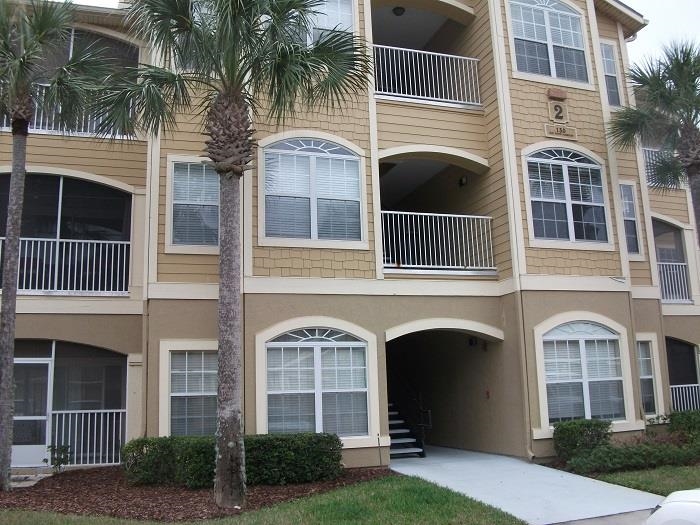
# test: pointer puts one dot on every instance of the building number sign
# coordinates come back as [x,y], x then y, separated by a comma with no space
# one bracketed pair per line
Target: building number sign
[559,115]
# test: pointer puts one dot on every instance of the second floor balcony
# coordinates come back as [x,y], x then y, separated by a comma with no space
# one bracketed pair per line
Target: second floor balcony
[75,239]
[437,242]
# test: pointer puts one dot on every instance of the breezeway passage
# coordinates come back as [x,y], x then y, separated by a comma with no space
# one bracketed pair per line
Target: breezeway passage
[536,494]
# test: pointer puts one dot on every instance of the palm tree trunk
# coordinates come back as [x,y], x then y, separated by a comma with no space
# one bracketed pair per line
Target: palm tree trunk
[10,250]
[694,183]
[229,486]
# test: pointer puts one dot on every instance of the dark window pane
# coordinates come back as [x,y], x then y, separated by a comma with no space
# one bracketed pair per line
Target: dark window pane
[195,224]
[648,402]
[94,212]
[338,219]
[613,90]
[589,223]
[532,57]
[549,220]
[570,63]
[288,217]
[631,236]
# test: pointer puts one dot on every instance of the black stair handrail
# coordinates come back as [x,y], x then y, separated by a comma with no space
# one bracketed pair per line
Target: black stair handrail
[411,407]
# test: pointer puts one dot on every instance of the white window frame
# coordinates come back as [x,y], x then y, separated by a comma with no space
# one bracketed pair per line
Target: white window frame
[652,339]
[170,247]
[203,393]
[374,438]
[263,240]
[552,79]
[166,347]
[585,379]
[640,256]
[564,244]
[618,79]
[318,391]
[631,422]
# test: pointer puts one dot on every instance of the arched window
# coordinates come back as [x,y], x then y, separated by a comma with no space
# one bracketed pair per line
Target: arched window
[548,38]
[566,196]
[312,190]
[317,382]
[583,372]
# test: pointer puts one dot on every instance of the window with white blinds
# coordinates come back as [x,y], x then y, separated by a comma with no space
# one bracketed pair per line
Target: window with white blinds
[312,191]
[646,377]
[195,204]
[583,373]
[629,213]
[317,382]
[193,384]
[612,84]
[566,196]
[548,39]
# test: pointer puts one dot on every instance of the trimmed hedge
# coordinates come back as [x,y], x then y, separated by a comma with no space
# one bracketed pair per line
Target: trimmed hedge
[271,459]
[686,424]
[633,457]
[572,438]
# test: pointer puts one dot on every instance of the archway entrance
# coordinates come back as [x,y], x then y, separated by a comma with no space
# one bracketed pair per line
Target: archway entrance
[439,385]
[682,360]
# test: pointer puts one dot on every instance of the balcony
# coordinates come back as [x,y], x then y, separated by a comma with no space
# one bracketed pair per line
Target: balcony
[675,284]
[424,75]
[46,120]
[435,243]
[685,397]
[72,267]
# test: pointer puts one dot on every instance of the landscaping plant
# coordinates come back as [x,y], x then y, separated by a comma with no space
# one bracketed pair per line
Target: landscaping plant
[580,436]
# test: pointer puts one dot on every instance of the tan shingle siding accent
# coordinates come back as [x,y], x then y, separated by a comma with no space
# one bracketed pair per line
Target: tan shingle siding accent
[672,203]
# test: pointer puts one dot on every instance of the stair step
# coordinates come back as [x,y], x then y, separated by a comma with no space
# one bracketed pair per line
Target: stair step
[402,451]
[396,421]
[399,441]
[394,413]
[399,431]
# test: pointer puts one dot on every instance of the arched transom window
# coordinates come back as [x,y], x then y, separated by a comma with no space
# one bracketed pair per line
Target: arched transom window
[312,190]
[548,39]
[583,372]
[317,382]
[566,196]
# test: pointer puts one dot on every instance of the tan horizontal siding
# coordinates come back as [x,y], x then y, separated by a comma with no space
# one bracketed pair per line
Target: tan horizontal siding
[122,161]
[671,203]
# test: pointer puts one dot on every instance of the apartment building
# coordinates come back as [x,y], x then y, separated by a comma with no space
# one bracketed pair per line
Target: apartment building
[457,256]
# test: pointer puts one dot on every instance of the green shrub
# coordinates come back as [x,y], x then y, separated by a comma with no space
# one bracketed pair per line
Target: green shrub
[279,459]
[194,461]
[686,424]
[574,437]
[149,461]
[633,457]
[272,459]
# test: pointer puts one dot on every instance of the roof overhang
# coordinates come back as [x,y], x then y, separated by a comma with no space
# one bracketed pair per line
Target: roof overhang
[631,20]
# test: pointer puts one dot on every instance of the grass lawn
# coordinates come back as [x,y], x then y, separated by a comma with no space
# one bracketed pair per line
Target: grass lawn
[396,499]
[661,480]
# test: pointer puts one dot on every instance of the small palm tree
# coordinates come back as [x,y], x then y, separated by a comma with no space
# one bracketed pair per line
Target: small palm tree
[34,76]
[231,60]
[667,116]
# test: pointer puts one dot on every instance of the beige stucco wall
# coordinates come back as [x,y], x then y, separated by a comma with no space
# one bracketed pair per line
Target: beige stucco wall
[119,333]
[683,327]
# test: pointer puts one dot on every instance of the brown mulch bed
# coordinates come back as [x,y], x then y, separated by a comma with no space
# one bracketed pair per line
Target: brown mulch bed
[104,491]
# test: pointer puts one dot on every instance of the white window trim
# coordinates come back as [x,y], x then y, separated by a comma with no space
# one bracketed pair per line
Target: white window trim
[169,246]
[166,347]
[263,240]
[618,70]
[631,421]
[563,244]
[355,30]
[659,402]
[641,256]
[373,437]
[589,86]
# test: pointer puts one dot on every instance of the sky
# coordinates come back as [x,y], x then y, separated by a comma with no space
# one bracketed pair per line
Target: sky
[668,20]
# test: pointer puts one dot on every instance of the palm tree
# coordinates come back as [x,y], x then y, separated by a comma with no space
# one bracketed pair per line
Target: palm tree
[667,116]
[231,60]
[33,75]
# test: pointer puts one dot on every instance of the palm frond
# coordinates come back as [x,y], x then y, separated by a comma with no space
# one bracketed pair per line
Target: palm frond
[49,23]
[665,172]
[73,86]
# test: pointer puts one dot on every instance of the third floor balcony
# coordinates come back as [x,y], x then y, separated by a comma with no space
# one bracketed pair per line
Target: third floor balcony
[422,53]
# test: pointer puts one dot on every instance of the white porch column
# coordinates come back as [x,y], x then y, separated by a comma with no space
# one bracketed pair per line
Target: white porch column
[134,397]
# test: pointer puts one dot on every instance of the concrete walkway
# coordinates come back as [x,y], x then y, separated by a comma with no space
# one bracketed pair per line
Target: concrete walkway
[535,494]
